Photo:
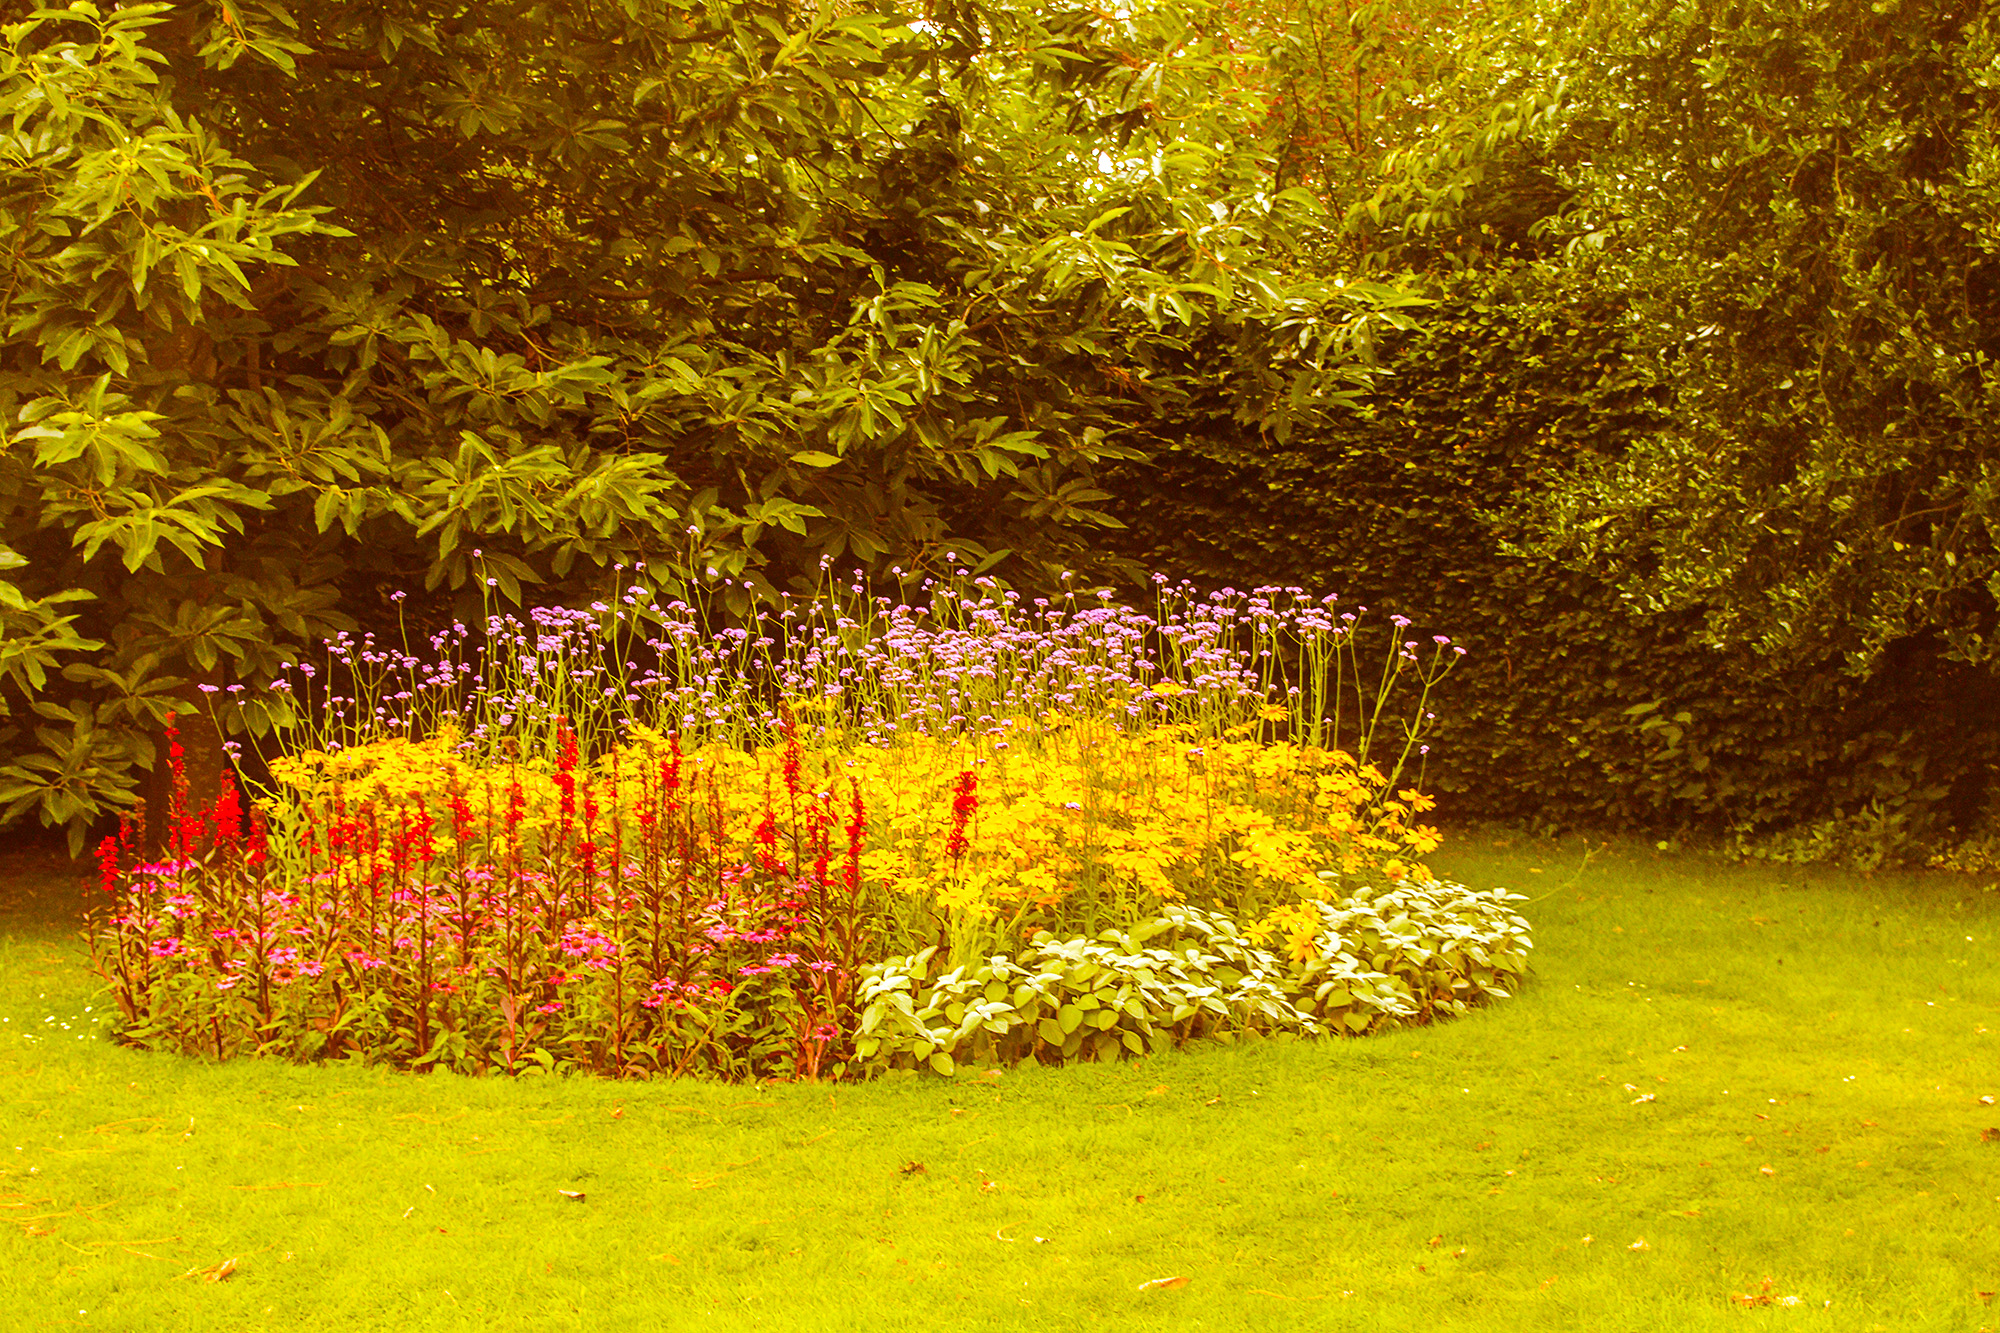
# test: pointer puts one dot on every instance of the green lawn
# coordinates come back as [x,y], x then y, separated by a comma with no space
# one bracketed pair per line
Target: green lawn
[1716,1075]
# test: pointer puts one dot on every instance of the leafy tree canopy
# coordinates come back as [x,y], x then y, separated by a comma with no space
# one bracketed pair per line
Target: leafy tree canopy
[1796,206]
[501,296]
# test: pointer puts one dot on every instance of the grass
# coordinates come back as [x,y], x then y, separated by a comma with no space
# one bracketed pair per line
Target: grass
[1491,1173]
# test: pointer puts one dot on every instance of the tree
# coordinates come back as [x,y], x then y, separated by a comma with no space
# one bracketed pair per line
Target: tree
[1798,208]
[510,297]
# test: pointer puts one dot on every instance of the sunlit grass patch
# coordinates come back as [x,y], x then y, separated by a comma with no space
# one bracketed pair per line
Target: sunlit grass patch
[1487,1174]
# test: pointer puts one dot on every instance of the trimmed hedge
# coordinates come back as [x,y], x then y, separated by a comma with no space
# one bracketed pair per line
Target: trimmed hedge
[1572,709]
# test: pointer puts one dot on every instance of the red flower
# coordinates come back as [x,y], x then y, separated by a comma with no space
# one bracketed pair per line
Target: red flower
[857,823]
[256,852]
[963,806]
[228,814]
[107,864]
[461,812]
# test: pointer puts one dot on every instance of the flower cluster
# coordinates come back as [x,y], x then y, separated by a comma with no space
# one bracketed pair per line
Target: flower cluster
[622,845]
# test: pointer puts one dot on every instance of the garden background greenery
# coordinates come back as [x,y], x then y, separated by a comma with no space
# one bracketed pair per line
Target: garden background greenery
[809,543]
[1643,348]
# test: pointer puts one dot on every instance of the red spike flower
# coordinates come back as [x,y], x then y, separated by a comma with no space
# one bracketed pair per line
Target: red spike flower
[107,864]
[965,804]
[256,849]
[857,824]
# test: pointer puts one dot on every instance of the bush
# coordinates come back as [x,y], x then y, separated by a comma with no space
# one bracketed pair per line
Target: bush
[1576,708]
[559,859]
[1363,962]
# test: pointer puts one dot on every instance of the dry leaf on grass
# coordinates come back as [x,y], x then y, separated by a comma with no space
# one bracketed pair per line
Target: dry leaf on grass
[221,1272]
[1989,1136]
[1163,1284]
[1763,1296]
[574,1196]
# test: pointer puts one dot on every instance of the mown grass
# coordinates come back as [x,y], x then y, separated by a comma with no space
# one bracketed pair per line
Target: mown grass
[1815,1046]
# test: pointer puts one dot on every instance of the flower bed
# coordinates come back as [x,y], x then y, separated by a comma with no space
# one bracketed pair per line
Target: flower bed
[812,851]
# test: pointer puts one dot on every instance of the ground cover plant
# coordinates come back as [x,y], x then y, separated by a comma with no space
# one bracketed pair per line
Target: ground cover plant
[859,835]
[1806,1051]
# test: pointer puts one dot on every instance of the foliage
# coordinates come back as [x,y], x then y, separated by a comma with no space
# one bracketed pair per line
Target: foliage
[1797,208]
[306,309]
[695,876]
[1695,428]
[1407,955]
[1574,707]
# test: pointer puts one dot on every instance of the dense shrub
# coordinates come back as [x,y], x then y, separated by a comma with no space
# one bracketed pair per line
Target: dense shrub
[1574,707]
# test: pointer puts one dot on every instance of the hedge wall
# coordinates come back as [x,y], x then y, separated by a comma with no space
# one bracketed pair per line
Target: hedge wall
[1404,506]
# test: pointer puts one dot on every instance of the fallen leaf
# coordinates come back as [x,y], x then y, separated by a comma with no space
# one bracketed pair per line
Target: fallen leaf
[1644,1097]
[1163,1284]
[1588,1239]
[574,1196]
[1766,1171]
[1437,1241]
[1986,1101]
[1762,1296]
[915,1169]
[221,1272]
[617,1113]
[1639,1244]
[1989,1136]
[1985,1297]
